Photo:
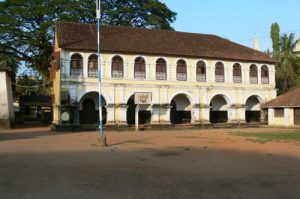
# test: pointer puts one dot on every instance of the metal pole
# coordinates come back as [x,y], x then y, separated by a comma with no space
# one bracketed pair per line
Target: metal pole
[137,117]
[102,138]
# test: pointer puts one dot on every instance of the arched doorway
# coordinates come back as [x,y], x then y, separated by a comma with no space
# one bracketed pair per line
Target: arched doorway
[144,114]
[253,109]
[181,110]
[89,109]
[218,110]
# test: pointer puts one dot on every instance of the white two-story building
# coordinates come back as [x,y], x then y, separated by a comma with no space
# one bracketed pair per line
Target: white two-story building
[193,78]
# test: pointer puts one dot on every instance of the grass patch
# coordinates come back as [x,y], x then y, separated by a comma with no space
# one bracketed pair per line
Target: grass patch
[271,136]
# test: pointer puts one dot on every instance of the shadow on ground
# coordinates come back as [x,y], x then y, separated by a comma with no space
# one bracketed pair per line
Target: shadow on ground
[148,173]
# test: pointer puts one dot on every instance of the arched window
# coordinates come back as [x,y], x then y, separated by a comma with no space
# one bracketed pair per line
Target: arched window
[161,69]
[181,71]
[201,71]
[253,74]
[117,67]
[139,68]
[264,74]
[237,73]
[76,65]
[219,72]
[93,66]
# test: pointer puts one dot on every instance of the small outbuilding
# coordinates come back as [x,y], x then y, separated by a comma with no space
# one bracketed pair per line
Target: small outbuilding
[285,109]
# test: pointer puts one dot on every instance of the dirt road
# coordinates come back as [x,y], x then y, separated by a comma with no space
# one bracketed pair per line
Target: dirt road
[37,163]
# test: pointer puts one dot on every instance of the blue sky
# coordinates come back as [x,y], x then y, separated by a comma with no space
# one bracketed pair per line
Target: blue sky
[237,20]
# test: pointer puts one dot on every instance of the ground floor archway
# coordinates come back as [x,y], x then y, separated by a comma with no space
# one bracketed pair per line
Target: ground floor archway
[253,112]
[144,114]
[218,110]
[181,110]
[89,109]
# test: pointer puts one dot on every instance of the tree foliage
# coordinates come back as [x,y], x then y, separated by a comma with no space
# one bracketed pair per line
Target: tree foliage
[275,34]
[27,26]
[288,68]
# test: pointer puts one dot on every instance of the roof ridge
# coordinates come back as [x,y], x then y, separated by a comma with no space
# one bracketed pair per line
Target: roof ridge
[140,28]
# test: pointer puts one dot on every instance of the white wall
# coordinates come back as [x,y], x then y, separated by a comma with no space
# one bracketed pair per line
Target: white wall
[6,101]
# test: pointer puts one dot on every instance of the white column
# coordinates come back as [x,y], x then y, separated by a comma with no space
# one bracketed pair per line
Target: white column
[110,117]
[192,73]
[272,75]
[153,71]
[270,116]
[165,112]
[148,66]
[232,112]
[85,66]
[247,74]
[259,74]
[204,115]
[228,72]
[195,113]
[155,114]
[241,114]
[122,112]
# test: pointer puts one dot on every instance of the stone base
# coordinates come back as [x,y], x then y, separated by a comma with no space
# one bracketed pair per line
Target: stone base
[239,124]
[102,141]
[243,124]
[159,127]
[61,128]
[206,125]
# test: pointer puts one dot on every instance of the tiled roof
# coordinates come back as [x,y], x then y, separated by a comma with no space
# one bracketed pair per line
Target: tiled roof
[289,99]
[117,39]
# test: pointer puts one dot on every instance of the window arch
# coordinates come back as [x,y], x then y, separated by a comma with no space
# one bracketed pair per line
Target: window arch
[219,72]
[181,70]
[139,68]
[264,74]
[93,66]
[237,73]
[161,69]
[117,67]
[201,71]
[76,65]
[253,74]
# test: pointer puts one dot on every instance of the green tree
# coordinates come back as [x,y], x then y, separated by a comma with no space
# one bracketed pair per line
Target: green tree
[275,34]
[27,26]
[288,67]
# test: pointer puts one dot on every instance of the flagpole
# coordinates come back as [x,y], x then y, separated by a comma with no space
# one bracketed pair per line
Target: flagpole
[102,137]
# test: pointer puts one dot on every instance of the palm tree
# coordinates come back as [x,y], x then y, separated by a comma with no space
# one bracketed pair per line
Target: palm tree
[288,67]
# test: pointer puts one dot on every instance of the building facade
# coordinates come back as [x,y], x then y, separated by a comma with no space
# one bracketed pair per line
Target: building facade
[193,78]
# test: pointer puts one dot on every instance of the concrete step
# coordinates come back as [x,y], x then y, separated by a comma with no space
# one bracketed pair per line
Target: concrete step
[254,124]
[221,125]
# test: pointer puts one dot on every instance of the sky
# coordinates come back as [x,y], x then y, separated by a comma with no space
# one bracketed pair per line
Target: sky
[237,20]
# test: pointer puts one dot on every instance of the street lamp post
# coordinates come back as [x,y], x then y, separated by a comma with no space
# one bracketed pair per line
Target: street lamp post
[102,137]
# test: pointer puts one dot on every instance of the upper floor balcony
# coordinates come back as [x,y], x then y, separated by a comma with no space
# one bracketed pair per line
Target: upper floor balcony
[162,70]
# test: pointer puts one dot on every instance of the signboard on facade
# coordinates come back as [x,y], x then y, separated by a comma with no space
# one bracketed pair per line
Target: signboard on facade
[142,98]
